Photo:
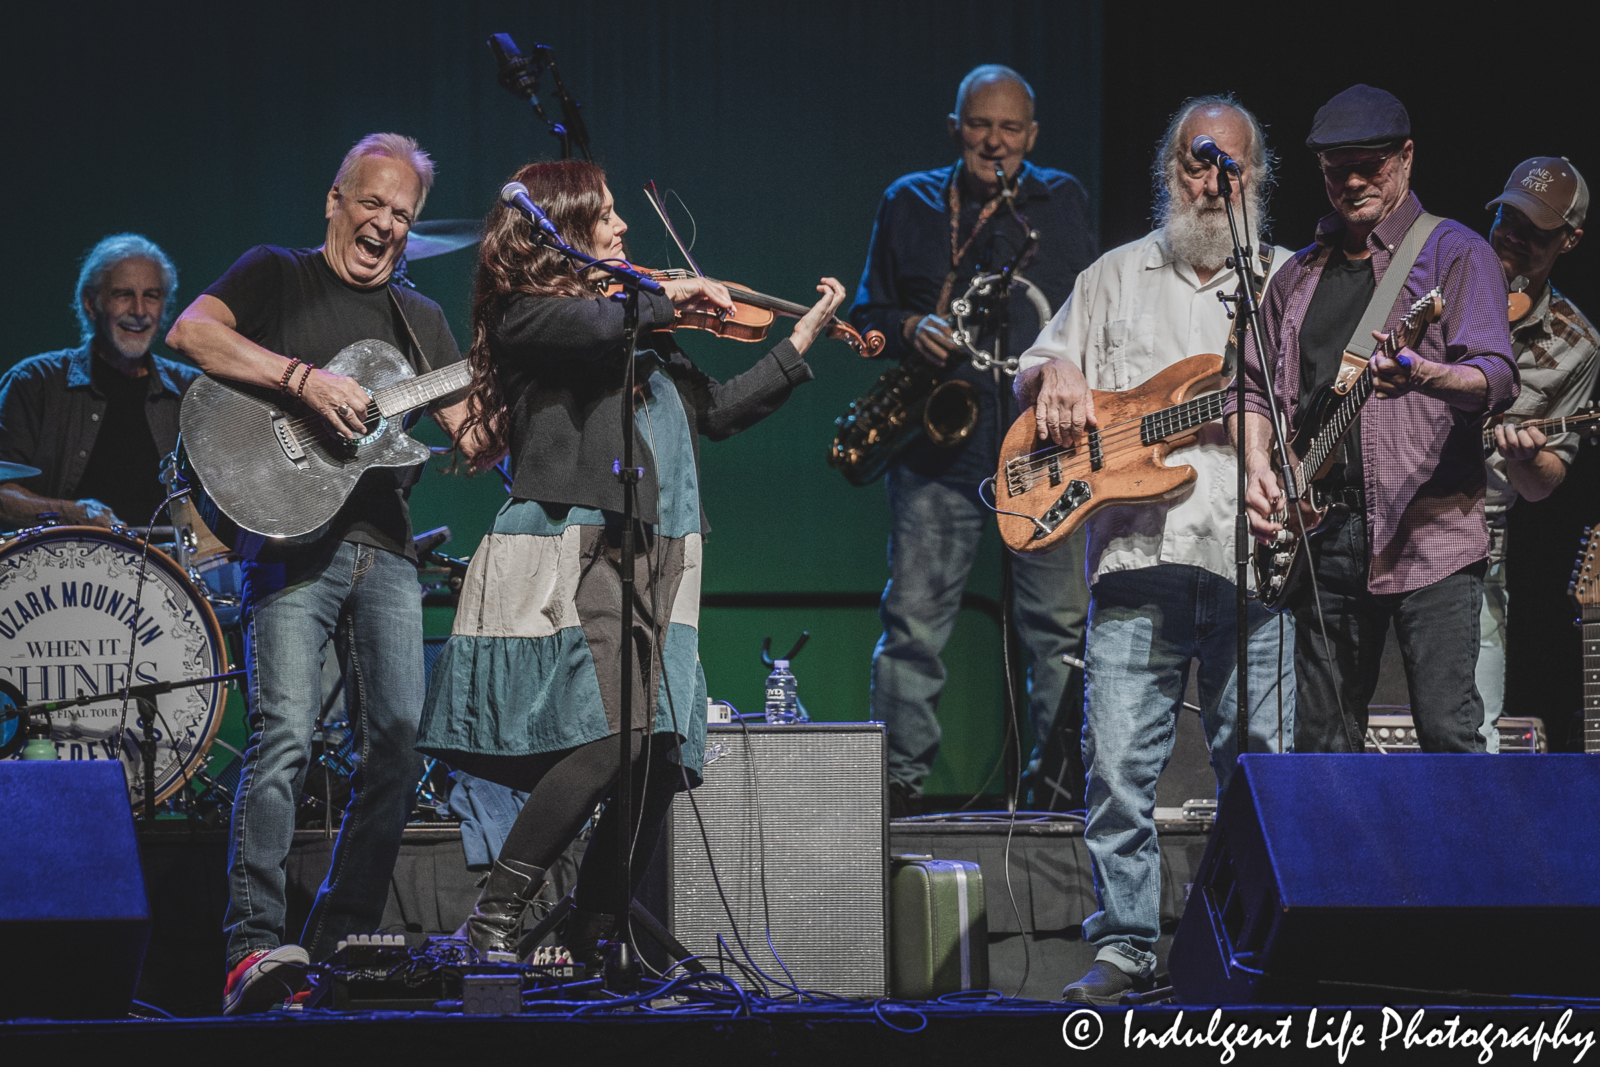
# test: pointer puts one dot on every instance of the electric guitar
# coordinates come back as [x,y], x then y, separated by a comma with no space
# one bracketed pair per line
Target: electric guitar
[1584,589]
[1323,423]
[1044,492]
[263,468]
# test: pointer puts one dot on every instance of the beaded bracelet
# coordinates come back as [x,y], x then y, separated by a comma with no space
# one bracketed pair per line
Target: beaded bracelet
[283,383]
[301,392]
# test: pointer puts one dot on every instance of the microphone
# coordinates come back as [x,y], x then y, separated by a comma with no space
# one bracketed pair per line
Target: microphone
[515,195]
[1206,151]
[1006,192]
[517,72]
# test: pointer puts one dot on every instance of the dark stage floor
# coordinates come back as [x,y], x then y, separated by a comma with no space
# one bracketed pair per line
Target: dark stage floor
[887,1033]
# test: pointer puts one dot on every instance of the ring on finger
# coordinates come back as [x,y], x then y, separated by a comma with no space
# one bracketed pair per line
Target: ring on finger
[343,409]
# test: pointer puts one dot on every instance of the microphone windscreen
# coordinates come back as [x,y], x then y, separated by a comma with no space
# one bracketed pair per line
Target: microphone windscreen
[510,191]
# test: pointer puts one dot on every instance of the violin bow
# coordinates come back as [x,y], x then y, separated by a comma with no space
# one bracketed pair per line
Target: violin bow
[661,210]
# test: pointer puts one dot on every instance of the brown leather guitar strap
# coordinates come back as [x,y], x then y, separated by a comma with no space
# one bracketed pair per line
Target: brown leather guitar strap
[421,356]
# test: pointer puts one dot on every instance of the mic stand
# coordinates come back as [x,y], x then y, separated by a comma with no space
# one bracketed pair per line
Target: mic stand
[572,130]
[623,469]
[1244,302]
[144,697]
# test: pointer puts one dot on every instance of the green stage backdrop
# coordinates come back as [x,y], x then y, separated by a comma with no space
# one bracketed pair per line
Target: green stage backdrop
[212,128]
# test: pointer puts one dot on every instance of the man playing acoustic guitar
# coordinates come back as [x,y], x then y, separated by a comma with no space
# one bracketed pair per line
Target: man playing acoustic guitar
[1162,573]
[1539,217]
[274,318]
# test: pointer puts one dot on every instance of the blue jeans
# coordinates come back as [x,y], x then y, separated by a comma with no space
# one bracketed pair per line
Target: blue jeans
[1144,627]
[368,603]
[934,536]
[1491,672]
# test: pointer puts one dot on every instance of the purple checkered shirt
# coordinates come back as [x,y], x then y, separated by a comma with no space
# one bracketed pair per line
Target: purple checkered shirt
[1423,460]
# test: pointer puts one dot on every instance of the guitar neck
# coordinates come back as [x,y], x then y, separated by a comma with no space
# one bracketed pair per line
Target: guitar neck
[414,393]
[1180,418]
[1578,422]
[1591,679]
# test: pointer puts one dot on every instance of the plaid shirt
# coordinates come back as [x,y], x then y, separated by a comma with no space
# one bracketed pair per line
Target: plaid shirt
[1423,459]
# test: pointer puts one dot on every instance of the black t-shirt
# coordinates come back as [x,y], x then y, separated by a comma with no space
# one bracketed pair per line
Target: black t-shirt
[290,301]
[1343,293]
[123,471]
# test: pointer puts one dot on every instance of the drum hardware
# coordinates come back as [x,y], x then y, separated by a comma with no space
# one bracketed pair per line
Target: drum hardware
[142,696]
[15,472]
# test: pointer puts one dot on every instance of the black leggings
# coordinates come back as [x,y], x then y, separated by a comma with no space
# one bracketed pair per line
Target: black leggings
[563,789]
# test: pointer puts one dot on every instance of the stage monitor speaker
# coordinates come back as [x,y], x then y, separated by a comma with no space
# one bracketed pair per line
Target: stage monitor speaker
[74,920]
[1401,879]
[796,821]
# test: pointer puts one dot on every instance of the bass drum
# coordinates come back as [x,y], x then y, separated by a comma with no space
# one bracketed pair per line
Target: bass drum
[68,613]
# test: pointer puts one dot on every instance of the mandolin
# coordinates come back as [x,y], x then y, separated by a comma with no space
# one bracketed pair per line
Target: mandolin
[1043,493]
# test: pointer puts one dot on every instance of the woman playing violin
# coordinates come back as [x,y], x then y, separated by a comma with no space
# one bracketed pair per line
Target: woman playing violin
[526,691]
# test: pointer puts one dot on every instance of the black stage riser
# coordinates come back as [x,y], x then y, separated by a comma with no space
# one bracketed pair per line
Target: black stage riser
[73,916]
[1337,878]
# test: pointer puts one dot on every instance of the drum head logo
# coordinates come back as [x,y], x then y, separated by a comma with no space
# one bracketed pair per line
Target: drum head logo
[73,617]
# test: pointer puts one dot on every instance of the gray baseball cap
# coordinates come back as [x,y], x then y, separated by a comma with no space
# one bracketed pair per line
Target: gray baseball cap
[1549,190]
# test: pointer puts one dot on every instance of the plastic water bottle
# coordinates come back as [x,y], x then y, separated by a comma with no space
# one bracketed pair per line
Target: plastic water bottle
[783,703]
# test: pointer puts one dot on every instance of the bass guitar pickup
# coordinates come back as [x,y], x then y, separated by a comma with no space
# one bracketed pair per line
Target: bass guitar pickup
[1075,496]
[283,433]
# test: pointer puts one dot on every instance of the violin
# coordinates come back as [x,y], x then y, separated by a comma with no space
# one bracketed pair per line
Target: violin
[753,314]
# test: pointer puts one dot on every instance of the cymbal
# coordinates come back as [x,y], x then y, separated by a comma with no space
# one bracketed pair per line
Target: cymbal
[435,237]
[11,472]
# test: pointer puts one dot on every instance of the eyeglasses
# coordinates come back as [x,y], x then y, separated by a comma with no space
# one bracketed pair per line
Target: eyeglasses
[1367,168]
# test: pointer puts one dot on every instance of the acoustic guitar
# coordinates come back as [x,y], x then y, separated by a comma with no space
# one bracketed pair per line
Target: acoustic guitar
[262,468]
[1044,492]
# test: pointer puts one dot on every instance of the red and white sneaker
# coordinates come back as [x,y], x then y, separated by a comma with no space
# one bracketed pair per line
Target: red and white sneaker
[264,980]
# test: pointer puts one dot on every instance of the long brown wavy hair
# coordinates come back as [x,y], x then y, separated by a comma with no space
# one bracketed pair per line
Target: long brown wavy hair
[572,193]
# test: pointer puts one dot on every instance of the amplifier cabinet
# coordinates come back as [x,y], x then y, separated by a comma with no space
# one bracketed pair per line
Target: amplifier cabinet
[804,806]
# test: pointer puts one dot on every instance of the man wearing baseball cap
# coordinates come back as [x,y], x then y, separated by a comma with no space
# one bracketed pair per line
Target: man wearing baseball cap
[1410,545]
[1537,218]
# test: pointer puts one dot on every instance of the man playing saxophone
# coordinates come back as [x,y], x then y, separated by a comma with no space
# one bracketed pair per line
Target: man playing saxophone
[936,229]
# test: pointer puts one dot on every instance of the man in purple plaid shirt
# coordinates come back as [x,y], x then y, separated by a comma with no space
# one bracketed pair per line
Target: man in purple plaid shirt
[1412,547]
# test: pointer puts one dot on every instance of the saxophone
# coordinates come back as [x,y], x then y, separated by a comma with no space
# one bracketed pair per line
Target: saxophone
[914,398]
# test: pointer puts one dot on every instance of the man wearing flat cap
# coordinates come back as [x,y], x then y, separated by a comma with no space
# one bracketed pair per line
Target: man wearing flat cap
[1409,546]
[1537,218]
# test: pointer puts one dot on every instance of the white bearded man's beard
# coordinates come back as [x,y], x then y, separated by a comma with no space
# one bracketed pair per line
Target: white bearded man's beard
[136,346]
[1197,232]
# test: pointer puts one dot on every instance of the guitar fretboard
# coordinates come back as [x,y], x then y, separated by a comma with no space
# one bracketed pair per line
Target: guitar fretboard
[1578,422]
[1591,679]
[1159,425]
[413,393]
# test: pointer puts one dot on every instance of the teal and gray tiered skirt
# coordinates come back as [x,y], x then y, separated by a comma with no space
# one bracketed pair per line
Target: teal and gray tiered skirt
[533,662]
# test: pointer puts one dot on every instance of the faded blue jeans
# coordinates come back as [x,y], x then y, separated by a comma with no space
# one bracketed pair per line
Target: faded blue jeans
[1144,628]
[368,603]
[934,536]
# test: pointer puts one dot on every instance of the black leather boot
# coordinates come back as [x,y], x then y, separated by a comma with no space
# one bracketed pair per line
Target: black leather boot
[494,924]
[585,931]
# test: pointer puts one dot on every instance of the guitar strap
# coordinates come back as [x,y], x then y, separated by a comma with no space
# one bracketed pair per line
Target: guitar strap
[1362,343]
[1230,354]
[422,357]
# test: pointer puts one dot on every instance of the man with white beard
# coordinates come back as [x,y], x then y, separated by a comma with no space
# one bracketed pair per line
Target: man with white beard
[97,419]
[1162,591]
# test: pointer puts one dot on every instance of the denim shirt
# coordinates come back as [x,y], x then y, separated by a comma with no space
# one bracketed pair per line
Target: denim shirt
[50,414]
[906,267]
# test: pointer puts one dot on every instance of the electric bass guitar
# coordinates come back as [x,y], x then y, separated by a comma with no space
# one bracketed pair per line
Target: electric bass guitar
[1584,589]
[262,468]
[1323,423]
[1045,492]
